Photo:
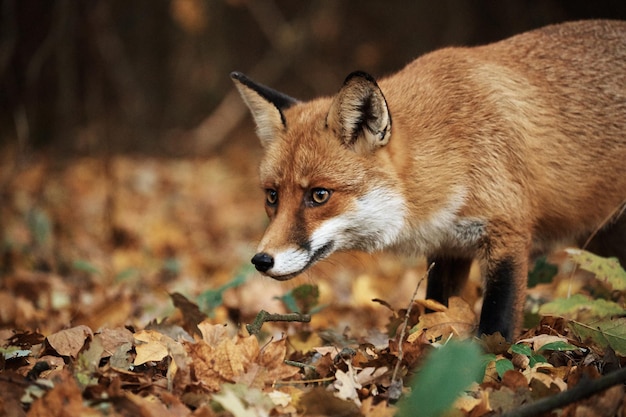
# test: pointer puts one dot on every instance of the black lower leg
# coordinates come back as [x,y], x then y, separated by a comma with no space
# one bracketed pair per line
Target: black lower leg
[447,277]
[499,312]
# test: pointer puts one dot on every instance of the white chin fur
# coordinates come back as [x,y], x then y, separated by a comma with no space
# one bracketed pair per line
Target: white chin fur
[289,262]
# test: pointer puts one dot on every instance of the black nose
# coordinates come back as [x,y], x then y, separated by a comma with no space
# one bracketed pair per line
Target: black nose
[262,261]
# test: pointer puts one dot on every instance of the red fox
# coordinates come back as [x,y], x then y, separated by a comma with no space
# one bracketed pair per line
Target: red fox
[493,153]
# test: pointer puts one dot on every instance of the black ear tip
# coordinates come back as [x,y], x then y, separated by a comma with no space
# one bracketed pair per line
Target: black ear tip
[360,74]
[236,75]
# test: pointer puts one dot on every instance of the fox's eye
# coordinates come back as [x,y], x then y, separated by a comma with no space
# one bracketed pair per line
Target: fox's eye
[271,197]
[319,195]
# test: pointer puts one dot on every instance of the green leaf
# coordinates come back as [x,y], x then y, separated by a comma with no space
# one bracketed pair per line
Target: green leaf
[443,377]
[536,358]
[85,266]
[302,299]
[522,349]
[607,270]
[39,225]
[211,299]
[542,273]
[606,332]
[503,365]
[570,307]
[560,346]
[172,265]
[126,274]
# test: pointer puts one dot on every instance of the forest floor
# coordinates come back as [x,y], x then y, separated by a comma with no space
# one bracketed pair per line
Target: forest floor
[125,290]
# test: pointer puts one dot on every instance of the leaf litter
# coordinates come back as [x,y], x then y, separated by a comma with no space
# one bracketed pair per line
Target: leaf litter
[124,292]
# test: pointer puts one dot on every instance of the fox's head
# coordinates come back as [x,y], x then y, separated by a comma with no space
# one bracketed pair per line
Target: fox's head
[327,182]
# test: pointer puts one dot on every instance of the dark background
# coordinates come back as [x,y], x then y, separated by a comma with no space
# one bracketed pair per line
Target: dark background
[151,76]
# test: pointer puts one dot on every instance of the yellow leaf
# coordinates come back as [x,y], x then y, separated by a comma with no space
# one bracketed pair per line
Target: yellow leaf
[151,346]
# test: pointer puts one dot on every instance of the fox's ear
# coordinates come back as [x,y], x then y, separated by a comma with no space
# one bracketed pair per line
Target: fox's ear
[359,113]
[265,104]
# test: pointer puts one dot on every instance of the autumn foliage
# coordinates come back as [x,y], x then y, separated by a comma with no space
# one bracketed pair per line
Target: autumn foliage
[126,291]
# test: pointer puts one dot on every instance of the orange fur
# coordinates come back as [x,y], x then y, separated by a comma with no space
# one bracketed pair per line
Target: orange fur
[491,153]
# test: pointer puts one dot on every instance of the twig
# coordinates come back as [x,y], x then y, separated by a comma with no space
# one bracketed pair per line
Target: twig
[264,316]
[395,389]
[585,388]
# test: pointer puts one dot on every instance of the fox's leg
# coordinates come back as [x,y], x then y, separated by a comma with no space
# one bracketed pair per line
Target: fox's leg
[505,272]
[447,277]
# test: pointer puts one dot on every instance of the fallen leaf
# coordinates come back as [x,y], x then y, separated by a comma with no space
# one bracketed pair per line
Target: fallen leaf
[607,270]
[151,346]
[64,400]
[192,316]
[380,409]
[346,385]
[69,342]
[320,402]
[272,357]
[214,366]
[113,339]
[212,334]
[165,406]
[606,332]
[457,319]
[541,340]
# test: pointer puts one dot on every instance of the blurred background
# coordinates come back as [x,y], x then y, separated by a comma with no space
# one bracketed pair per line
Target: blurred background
[144,76]
[127,161]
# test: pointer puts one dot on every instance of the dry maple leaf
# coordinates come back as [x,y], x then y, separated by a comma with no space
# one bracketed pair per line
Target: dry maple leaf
[272,357]
[229,359]
[212,334]
[152,346]
[457,319]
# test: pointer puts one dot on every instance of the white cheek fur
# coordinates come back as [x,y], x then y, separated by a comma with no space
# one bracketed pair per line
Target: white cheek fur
[375,222]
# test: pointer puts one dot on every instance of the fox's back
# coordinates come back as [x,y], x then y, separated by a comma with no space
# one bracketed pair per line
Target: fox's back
[537,122]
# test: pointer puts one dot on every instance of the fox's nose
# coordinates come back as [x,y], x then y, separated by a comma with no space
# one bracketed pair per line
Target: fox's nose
[262,261]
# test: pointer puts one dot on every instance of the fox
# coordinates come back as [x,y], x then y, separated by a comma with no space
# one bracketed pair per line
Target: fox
[495,153]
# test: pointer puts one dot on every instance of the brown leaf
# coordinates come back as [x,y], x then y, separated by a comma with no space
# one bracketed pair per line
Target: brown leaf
[381,409]
[64,400]
[604,404]
[513,379]
[272,357]
[320,402]
[457,319]
[152,406]
[69,342]
[223,363]
[202,362]
[112,339]
[213,334]
[228,360]
[10,393]
[192,316]
[112,313]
